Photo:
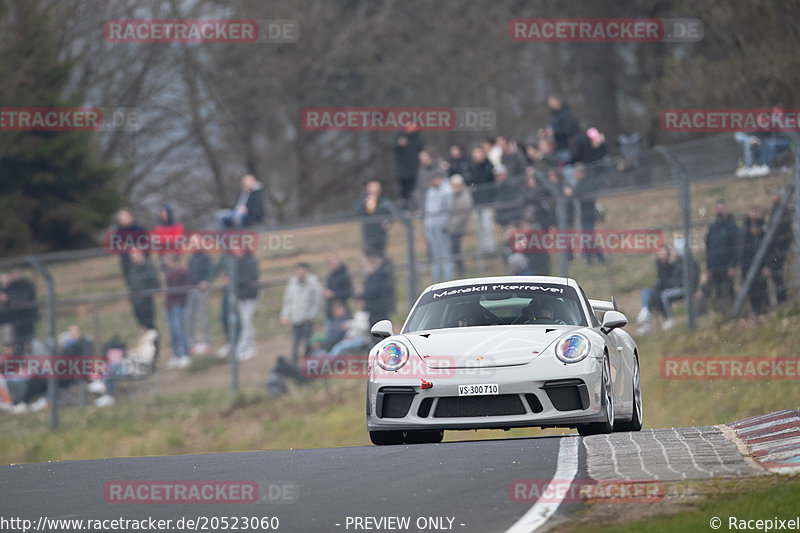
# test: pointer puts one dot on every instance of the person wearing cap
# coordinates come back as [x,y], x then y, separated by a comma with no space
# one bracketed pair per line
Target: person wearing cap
[722,256]
[438,203]
[587,147]
[302,300]
[459,218]
[779,245]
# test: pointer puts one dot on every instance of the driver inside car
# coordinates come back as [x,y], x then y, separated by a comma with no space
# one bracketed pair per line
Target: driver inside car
[537,312]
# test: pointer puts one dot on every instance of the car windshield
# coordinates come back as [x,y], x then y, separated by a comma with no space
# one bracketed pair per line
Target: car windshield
[495,304]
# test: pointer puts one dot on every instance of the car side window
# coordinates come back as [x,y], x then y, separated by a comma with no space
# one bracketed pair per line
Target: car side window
[593,315]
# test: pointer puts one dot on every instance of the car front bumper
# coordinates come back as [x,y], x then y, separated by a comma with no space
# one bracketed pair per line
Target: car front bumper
[542,393]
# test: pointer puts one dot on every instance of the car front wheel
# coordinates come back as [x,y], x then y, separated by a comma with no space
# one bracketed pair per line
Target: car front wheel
[607,425]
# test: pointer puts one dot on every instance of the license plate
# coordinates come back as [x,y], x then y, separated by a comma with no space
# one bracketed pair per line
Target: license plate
[478,390]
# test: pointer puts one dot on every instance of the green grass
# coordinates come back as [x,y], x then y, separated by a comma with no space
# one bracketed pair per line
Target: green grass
[744,500]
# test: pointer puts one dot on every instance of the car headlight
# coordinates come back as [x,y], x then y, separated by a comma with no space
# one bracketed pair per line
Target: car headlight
[573,348]
[392,356]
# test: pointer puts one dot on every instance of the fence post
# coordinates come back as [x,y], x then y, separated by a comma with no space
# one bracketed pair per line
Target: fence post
[679,172]
[233,322]
[408,224]
[796,215]
[50,342]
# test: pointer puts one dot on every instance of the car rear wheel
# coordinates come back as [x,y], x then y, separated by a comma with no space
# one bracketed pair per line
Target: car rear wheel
[385,438]
[635,423]
[606,426]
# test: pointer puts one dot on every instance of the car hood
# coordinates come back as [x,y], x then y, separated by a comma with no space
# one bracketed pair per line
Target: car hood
[484,346]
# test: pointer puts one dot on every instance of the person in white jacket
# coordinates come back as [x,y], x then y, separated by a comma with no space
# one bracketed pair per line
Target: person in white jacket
[302,301]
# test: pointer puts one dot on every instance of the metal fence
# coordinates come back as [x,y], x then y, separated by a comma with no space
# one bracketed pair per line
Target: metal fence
[654,192]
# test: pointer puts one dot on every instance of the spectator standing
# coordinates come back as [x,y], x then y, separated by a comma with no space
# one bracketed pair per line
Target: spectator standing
[165,237]
[338,288]
[585,193]
[507,198]
[458,162]
[780,244]
[438,204]
[127,226]
[377,297]
[21,310]
[247,292]
[753,231]
[722,253]
[143,283]
[429,165]
[459,218]
[199,271]
[512,159]
[178,283]
[249,208]
[493,152]
[562,126]
[481,173]
[377,213]
[301,303]
[407,146]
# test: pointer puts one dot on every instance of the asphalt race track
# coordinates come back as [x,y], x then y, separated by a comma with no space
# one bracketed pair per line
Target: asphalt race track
[456,486]
[467,482]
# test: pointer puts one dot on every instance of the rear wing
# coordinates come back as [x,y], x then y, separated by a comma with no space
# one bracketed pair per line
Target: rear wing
[604,305]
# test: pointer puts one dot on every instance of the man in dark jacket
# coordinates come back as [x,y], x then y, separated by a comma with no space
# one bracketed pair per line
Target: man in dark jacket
[481,175]
[377,213]
[753,230]
[779,246]
[143,279]
[247,291]
[20,309]
[407,146]
[378,295]
[563,126]
[127,228]
[722,253]
[249,208]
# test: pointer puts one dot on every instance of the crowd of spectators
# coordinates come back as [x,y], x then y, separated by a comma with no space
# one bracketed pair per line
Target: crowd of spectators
[730,251]
[506,185]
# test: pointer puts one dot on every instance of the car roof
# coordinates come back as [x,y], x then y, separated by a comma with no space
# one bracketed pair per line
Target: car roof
[556,280]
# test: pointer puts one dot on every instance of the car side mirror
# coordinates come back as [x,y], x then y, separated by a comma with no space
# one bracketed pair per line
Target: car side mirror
[613,320]
[382,329]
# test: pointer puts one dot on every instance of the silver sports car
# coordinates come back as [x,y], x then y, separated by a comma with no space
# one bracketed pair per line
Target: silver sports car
[503,352]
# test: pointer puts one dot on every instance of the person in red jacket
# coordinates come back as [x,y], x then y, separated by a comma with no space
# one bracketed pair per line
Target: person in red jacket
[166,236]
